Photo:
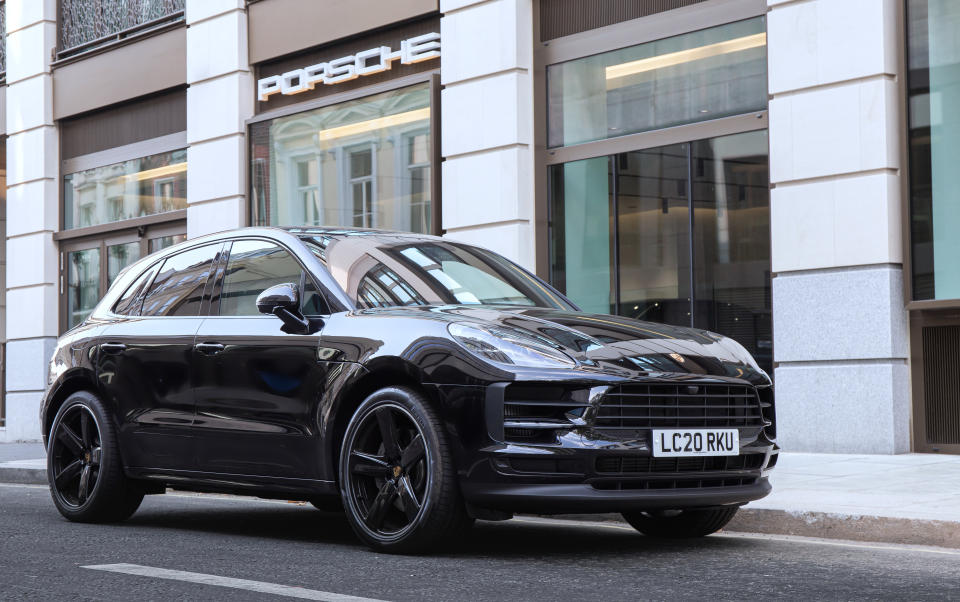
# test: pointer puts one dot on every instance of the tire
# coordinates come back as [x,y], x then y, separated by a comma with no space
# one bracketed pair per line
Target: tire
[398,481]
[84,467]
[681,524]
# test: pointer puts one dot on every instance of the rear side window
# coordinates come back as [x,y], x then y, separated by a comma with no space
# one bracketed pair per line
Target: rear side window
[178,288]
[132,300]
[255,266]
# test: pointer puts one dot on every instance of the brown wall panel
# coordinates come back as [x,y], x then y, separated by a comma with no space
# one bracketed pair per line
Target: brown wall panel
[152,117]
[279,27]
[391,37]
[565,17]
[157,62]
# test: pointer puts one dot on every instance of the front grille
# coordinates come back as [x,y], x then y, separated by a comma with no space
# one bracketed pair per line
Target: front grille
[648,406]
[673,483]
[647,464]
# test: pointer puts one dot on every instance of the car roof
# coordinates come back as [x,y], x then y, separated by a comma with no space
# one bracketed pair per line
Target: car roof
[334,232]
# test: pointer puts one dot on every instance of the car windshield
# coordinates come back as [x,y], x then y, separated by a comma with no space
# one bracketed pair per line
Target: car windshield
[383,270]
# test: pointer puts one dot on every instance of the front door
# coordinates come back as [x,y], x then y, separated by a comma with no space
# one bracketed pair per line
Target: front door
[143,362]
[257,388]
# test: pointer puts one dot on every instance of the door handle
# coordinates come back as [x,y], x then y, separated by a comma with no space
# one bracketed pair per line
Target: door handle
[113,348]
[209,348]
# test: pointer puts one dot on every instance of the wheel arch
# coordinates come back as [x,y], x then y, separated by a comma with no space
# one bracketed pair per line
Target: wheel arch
[382,373]
[79,380]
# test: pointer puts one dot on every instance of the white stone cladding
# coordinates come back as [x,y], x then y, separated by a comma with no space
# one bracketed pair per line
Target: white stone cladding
[840,326]
[219,101]
[31,320]
[486,136]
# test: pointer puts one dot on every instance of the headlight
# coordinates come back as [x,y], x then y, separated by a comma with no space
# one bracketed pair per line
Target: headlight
[508,347]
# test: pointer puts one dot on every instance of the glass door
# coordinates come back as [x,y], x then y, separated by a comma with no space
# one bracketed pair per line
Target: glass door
[90,265]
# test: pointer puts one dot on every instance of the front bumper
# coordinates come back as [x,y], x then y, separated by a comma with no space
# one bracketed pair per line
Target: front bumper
[541,498]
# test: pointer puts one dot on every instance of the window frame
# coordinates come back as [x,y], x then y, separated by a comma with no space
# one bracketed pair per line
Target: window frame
[431,77]
[703,15]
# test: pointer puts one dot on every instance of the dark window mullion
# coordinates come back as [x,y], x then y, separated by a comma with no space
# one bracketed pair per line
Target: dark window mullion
[615,190]
[690,235]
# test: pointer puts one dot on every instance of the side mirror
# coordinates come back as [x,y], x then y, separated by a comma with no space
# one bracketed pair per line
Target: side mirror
[280,296]
[283,301]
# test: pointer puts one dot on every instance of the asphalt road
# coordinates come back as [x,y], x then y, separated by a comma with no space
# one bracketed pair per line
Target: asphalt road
[274,543]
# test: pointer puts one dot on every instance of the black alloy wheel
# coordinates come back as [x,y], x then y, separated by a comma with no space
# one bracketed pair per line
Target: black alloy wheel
[397,478]
[83,464]
[75,455]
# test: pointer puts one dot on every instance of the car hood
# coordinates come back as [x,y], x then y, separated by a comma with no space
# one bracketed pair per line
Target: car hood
[611,345]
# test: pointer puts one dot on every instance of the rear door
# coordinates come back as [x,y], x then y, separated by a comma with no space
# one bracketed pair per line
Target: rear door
[144,359]
[258,387]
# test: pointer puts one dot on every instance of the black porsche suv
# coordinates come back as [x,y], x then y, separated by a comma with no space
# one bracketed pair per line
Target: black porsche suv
[418,382]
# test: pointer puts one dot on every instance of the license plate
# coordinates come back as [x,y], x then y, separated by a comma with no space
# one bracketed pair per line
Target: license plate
[696,442]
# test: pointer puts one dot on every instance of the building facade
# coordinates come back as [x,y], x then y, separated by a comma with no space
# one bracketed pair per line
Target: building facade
[780,171]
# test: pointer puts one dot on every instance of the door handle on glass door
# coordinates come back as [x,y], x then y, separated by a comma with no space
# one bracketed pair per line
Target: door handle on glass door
[209,348]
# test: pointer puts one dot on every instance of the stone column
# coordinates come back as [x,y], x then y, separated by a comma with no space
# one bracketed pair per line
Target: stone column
[487,125]
[219,100]
[32,283]
[840,328]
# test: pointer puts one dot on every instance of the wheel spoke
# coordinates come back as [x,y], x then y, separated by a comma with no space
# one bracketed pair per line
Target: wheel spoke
[86,433]
[381,504]
[84,490]
[70,439]
[411,506]
[368,464]
[412,453]
[388,430]
[68,474]
[95,454]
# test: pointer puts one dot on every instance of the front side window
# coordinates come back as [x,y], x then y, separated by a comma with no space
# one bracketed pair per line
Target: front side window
[255,266]
[360,163]
[177,289]
[134,188]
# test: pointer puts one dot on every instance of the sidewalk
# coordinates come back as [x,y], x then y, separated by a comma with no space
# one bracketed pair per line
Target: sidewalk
[911,498]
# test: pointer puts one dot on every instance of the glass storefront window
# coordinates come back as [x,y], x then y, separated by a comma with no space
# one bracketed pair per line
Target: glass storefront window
[134,188]
[83,284]
[633,248]
[362,163]
[933,79]
[120,256]
[707,74]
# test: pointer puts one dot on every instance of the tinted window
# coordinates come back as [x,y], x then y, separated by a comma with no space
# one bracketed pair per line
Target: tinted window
[385,270]
[132,300]
[178,288]
[255,266]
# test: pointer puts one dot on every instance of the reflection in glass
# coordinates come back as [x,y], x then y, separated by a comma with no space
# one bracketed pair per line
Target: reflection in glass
[697,76]
[119,257]
[726,180]
[581,250]
[934,118]
[654,234]
[83,284]
[146,186]
[254,266]
[162,242]
[361,163]
[380,270]
[732,241]
[177,289]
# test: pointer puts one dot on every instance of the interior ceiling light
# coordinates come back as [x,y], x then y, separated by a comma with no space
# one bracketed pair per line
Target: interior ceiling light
[374,124]
[686,56]
[157,172]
